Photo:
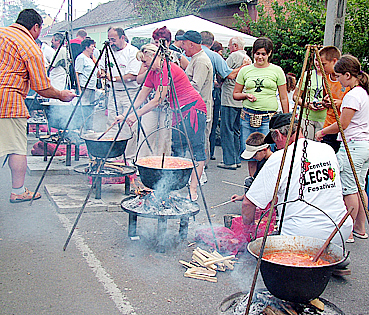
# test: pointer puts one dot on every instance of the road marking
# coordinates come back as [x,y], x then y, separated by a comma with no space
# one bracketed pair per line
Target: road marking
[120,300]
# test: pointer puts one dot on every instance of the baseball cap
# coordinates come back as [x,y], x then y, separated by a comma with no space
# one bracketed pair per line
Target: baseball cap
[193,36]
[277,121]
[252,149]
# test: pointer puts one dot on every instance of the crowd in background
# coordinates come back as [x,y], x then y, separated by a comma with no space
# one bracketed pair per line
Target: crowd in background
[188,85]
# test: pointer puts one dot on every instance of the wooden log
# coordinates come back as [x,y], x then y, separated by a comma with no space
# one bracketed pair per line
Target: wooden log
[212,261]
[270,310]
[202,271]
[197,256]
[186,264]
[318,304]
[227,263]
[194,276]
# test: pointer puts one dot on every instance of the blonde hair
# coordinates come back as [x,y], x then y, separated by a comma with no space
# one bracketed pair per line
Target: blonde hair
[148,49]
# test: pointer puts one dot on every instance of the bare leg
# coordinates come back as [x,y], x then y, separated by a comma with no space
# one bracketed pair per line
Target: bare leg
[252,165]
[194,182]
[352,201]
[18,167]
[359,224]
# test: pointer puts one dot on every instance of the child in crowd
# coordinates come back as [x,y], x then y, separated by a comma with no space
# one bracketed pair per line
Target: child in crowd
[329,56]
[312,119]
[260,151]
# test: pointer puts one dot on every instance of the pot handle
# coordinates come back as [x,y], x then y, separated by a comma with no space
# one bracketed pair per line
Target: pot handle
[151,133]
[334,223]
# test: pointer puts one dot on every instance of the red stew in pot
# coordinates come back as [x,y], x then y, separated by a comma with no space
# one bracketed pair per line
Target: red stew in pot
[170,162]
[301,259]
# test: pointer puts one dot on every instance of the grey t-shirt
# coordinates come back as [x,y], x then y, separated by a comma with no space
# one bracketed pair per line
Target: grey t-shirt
[234,61]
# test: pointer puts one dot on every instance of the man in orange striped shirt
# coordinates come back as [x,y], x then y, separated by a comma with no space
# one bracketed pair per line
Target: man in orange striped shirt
[21,68]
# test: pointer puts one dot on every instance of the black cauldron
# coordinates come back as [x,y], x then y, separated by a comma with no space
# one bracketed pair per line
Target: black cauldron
[100,148]
[164,179]
[296,283]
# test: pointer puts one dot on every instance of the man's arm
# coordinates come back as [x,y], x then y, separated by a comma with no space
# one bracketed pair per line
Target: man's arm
[248,211]
[51,92]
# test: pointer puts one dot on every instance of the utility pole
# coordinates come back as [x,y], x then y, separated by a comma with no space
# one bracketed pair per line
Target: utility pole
[335,23]
[70,18]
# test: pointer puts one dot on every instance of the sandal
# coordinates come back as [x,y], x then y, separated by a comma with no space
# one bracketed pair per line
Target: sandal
[26,196]
[358,235]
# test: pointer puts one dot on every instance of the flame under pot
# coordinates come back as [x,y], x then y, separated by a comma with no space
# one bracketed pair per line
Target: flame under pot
[298,284]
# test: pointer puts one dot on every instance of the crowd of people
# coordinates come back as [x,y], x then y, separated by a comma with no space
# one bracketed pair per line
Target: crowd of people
[252,97]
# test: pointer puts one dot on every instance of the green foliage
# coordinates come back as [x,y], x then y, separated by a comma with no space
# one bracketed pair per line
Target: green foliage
[12,9]
[295,24]
[356,36]
[151,11]
[140,41]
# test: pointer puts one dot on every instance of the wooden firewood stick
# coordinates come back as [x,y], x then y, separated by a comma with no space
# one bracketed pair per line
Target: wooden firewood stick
[204,252]
[201,262]
[202,271]
[210,279]
[186,264]
[228,263]
[211,262]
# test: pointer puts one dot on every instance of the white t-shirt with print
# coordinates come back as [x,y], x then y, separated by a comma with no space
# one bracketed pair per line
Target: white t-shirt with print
[127,63]
[322,188]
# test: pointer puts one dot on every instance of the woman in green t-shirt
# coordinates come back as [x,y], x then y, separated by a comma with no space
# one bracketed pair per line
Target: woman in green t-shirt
[257,86]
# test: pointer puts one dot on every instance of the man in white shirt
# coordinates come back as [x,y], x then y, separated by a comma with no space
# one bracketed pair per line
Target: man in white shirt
[321,188]
[125,56]
[58,70]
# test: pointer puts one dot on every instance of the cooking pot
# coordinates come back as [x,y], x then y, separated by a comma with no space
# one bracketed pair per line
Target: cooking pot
[164,179]
[100,148]
[298,284]
[58,114]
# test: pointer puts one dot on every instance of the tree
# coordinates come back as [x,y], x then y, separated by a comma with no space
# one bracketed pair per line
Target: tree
[356,36]
[151,11]
[12,9]
[292,26]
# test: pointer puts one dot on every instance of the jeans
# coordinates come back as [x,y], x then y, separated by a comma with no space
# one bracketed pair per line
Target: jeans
[246,129]
[230,134]
[212,138]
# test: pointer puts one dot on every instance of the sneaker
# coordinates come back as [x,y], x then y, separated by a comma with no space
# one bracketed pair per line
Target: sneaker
[213,158]
[238,165]
[227,167]
[26,196]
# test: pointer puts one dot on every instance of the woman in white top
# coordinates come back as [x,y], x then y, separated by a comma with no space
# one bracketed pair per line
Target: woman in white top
[84,65]
[355,122]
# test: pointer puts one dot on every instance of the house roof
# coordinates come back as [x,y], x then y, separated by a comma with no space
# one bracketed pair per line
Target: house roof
[110,12]
[220,3]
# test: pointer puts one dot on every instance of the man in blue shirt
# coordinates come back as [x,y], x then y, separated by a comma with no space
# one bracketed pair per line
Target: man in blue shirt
[221,69]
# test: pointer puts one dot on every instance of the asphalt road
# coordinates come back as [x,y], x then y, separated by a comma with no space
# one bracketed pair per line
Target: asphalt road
[104,272]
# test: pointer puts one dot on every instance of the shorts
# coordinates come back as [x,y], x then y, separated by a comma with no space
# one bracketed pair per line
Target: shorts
[360,156]
[13,136]
[196,139]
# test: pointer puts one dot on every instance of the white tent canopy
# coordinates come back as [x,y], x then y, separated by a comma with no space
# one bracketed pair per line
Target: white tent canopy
[221,33]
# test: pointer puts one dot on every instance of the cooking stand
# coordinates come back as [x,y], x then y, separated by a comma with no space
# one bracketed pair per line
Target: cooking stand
[54,139]
[162,223]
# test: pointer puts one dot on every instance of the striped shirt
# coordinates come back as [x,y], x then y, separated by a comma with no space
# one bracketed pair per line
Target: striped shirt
[21,68]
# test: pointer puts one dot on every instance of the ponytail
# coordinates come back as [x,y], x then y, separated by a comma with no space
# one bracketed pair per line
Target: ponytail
[363,78]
